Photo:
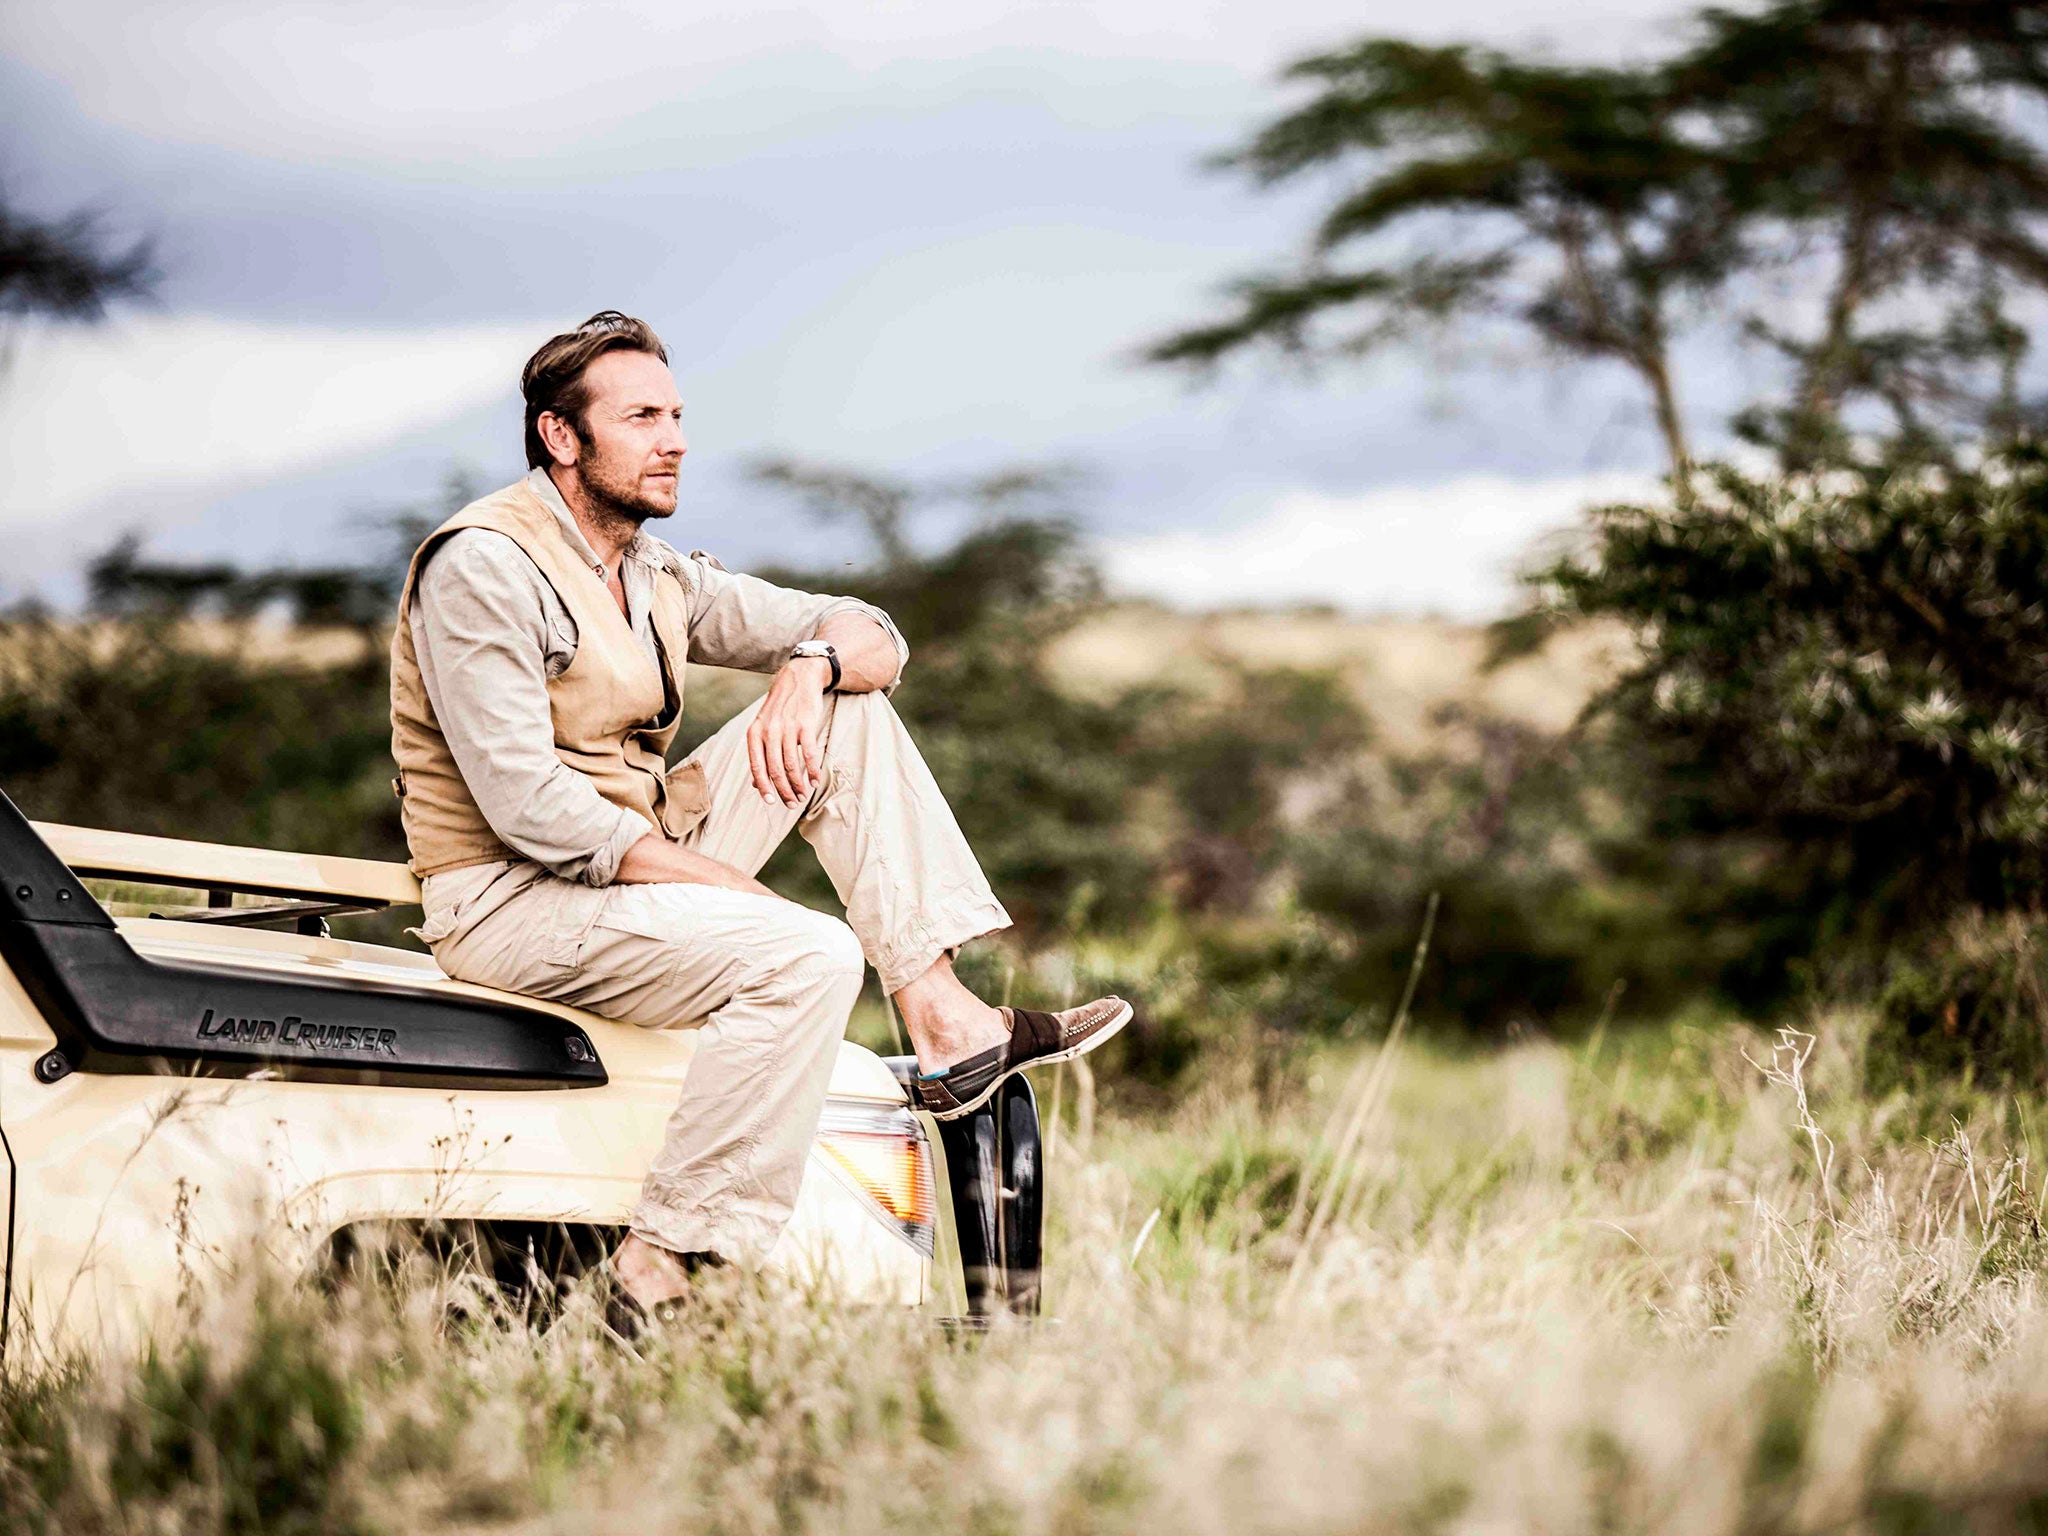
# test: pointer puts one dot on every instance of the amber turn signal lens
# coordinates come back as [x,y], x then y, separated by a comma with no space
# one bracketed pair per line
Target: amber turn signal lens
[888,1169]
[883,1153]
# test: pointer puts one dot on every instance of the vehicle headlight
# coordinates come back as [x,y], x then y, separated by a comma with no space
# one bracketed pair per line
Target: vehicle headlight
[882,1152]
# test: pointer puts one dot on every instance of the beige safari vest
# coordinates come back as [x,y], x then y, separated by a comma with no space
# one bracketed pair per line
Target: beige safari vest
[614,714]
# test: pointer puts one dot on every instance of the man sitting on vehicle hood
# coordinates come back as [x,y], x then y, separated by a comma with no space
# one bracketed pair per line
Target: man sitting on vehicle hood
[537,677]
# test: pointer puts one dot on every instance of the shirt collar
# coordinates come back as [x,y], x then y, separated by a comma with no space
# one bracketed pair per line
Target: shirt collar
[641,549]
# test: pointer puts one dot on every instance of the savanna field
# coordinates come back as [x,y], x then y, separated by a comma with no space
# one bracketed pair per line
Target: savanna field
[1685,1278]
[1687,1178]
[1568,1238]
[1589,1071]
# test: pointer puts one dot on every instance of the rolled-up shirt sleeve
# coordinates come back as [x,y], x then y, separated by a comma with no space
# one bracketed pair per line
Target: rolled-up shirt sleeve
[479,625]
[750,624]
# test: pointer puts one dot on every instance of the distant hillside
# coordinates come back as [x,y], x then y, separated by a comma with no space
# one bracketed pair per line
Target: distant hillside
[1402,670]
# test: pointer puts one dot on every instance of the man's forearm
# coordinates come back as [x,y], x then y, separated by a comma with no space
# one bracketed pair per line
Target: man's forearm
[654,860]
[868,658]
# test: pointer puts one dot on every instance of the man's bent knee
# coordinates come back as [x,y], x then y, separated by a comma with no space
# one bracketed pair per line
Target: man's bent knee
[820,974]
[852,712]
[833,947]
[807,944]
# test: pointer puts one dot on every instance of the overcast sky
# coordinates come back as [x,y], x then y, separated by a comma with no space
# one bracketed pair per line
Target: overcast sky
[915,239]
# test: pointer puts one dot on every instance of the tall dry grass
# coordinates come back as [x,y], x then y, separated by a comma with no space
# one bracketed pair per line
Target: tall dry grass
[1627,1286]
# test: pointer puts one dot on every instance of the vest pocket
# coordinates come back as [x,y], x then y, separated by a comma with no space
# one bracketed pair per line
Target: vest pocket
[561,643]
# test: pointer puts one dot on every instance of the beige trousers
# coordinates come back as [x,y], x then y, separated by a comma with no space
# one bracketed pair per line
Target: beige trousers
[769,982]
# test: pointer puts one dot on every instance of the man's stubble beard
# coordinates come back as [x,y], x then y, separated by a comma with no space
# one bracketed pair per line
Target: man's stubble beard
[616,496]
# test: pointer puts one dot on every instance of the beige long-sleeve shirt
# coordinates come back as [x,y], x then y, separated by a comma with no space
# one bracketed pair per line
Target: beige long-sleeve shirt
[490,632]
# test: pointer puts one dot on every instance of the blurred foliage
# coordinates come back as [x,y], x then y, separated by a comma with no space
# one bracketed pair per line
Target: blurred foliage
[1553,908]
[1246,767]
[1867,169]
[132,726]
[1854,676]
[68,267]
[1837,717]
[1972,1003]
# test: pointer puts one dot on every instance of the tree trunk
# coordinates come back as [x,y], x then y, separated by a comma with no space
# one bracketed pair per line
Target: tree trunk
[1818,408]
[1635,337]
[1656,372]
[1820,389]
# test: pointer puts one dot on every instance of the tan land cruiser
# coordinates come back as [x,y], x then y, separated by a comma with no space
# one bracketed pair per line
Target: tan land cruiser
[203,1073]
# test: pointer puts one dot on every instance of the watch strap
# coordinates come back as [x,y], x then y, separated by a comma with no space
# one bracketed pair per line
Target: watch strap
[809,650]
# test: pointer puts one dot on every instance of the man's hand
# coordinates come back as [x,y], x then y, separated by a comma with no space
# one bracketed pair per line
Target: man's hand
[785,744]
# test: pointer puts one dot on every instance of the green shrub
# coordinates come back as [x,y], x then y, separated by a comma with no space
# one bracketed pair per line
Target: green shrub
[1552,904]
[132,727]
[1975,1000]
[268,1436]
[1841,687]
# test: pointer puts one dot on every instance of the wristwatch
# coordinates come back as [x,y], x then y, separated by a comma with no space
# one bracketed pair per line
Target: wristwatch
[819,649]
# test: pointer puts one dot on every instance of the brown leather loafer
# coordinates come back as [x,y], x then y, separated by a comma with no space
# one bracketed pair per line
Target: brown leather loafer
[1035,1040]
[629,1320]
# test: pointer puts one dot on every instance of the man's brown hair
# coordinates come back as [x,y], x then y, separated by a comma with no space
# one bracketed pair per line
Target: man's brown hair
[552,379]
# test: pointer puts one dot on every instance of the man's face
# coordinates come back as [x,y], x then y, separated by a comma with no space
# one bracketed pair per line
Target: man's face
[632,443]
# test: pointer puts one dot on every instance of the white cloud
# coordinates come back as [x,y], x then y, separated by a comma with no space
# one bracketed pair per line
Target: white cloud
[163,405]
[518,79]
[1451,548]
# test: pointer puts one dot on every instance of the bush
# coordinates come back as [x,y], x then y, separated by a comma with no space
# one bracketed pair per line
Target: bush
[1974,1000]
[1553,906]
[132,726]
[1841,690]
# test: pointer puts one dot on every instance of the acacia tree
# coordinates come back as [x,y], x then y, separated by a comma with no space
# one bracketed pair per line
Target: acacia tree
[831,495]
[1566,199]
[884,508]
[1871,148]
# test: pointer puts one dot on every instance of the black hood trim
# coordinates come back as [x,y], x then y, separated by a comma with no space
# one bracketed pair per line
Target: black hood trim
[114,1010]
